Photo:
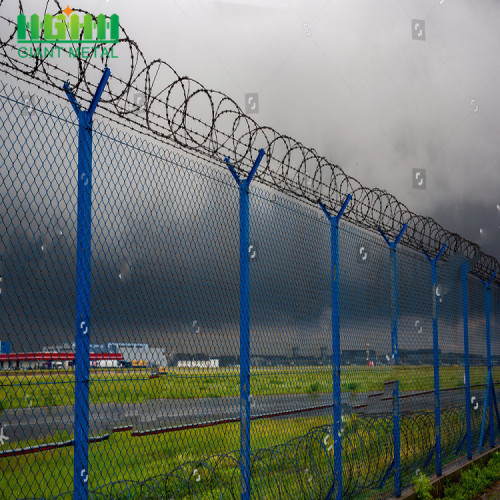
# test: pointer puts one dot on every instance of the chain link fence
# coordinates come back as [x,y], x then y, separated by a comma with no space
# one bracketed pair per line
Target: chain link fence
[183,402]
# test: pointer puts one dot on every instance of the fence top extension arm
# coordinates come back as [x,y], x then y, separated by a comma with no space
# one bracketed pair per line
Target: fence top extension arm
[95,100]
[393,244]
[438,256]
[488,283]
[337,217]
[248,180]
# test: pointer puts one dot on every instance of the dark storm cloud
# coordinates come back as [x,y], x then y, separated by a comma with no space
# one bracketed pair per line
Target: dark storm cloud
[165,266]
[477,220]
[165,258]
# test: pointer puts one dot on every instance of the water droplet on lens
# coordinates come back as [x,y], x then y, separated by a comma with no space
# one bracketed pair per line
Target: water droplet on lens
[124,270]
[46,243]
[195,326]
[29,102]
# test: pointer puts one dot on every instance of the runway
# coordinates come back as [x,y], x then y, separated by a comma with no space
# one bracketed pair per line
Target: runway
[41,423]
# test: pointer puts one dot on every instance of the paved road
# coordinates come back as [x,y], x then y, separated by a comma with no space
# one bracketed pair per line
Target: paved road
[28,423]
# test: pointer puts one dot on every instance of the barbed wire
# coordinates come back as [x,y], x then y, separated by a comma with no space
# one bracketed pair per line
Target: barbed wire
[155,100]
[304,466]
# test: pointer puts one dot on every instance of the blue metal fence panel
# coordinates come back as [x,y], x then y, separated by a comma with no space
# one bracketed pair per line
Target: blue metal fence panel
[291,350]
[465,320]
[225,360]
[478,357]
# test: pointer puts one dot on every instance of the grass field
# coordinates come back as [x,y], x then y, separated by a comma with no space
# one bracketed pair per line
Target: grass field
[124,457]
[299,466]
[23,389]
[136,458]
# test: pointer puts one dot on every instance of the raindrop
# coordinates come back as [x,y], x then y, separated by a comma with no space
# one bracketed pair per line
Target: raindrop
[195,326]
[439,292]
[363,253]
[46,243]
[196,475]
[140,102]
[124,270]
[29,101]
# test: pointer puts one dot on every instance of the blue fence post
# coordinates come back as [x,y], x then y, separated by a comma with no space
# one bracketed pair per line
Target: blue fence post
[83,261]
[394,341]
[244,185]
[487,288]
[392,248]
[490,389]
[435,343]
[465,297]
[337,395]
[397,439]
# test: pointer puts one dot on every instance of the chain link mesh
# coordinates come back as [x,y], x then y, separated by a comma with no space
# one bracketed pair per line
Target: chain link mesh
[164,414]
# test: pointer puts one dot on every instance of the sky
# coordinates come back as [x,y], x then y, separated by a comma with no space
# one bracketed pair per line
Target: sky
[358,83]
[379,88]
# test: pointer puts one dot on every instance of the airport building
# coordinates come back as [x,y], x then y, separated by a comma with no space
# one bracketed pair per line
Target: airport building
[135,354]
[45,360]
[110,355]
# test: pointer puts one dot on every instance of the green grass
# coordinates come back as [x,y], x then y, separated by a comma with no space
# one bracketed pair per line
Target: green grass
[423,487]
[137,458]
[23,389]
[475,480]
[124,457]
[303,469]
